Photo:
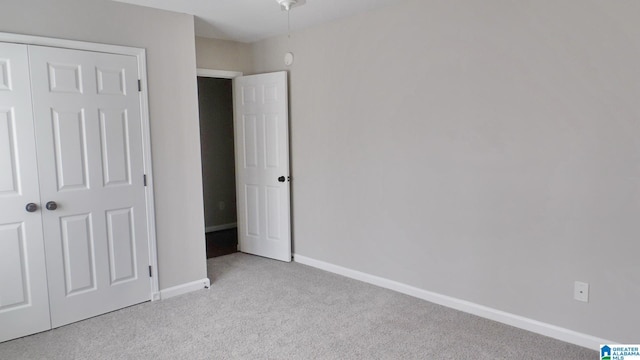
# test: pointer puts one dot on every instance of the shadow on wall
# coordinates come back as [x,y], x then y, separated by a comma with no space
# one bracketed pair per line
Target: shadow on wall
[215,98]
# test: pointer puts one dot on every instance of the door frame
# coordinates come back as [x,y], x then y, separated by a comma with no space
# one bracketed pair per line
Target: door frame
[141,57]
[219,74]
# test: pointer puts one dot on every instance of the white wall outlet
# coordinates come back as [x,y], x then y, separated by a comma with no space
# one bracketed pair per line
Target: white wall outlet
[581,291]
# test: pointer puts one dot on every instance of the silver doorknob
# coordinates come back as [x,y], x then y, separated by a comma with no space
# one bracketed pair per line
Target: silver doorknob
[31,207]
[51,205]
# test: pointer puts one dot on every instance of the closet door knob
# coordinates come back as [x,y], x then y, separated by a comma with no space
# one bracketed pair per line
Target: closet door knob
[31,207]
[51,205]
[281,179]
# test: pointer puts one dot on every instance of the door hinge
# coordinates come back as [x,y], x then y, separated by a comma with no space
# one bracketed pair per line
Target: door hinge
[144,179]
[150,271]
[139,85]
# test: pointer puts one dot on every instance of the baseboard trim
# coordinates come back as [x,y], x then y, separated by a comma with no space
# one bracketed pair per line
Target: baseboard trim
[220,227]
[184,288]
[518,321]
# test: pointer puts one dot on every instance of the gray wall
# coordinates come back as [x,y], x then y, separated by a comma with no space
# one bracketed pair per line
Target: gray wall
[223,55]
[218,158]
[485,150]
[169,40]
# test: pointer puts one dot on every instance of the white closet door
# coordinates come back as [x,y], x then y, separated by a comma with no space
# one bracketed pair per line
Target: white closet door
[261,125]
[90,162]
[24,305]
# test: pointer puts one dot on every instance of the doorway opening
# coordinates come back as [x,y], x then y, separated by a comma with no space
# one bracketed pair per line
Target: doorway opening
[215,101]
[257,142]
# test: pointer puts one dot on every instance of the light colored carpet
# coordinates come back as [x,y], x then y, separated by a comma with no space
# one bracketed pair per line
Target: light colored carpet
[265,309]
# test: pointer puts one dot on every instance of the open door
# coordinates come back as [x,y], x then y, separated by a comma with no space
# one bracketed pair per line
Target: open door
[261,126]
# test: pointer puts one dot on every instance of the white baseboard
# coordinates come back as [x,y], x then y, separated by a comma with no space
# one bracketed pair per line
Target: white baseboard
[220,227]
[518,321]
[184,288]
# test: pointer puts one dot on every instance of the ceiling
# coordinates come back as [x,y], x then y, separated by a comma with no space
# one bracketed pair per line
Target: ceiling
[253,20]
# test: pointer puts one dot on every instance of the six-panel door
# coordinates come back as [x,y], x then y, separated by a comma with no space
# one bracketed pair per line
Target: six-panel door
[24,306]
[87,122]
[261,126]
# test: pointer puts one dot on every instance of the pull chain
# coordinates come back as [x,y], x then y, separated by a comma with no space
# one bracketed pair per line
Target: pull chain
[289,23]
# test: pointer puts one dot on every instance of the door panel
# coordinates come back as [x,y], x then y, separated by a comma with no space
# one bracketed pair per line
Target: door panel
[250,146]
[122,255]
[252,220]
[5,74]
[111,81]
[272,141]
[24,306]
[262,145]
[9,175]
[114,132]
[65,78]
[273,212]
[78,254]
[88,126]
[14,284]
[70,146]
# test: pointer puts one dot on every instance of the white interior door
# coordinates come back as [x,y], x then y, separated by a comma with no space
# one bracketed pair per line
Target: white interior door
[261,125]
[24,305]
[90,163]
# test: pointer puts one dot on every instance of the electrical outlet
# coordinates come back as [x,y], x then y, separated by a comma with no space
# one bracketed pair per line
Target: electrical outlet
[581,291]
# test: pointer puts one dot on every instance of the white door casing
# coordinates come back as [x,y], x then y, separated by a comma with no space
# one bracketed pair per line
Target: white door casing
[24,305]
[261,127]
[90,163]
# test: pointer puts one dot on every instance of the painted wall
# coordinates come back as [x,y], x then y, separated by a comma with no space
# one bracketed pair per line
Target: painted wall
[485,150]
[218,155]
[169,40]
[223,55]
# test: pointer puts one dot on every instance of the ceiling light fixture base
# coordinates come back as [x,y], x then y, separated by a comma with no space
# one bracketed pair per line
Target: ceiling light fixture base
[286,5]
